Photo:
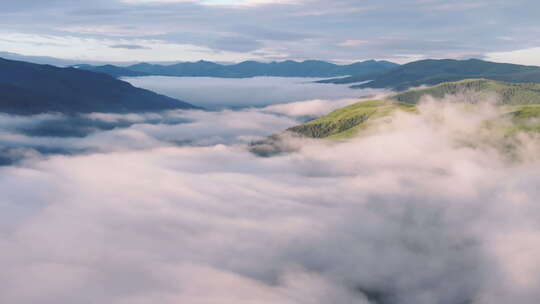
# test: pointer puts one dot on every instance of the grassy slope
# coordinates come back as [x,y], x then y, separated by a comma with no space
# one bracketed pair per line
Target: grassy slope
[347,121]
[508,93]
[525,117]
[521,103]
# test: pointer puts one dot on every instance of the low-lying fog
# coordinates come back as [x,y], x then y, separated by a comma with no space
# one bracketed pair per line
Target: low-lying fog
[219,93]
[172,208]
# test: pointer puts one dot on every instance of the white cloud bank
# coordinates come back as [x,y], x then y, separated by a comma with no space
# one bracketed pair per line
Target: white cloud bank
[530,56]
[217,93]
[428,210]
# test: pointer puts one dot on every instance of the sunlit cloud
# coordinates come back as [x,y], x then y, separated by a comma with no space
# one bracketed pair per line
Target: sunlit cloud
[530,56]
[353,43]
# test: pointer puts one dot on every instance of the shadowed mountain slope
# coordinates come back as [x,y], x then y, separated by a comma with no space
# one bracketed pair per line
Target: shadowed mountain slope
[27,88]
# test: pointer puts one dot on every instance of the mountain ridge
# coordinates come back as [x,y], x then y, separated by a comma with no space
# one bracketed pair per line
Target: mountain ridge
[246,69]
[503,93]
[435,71]
[29,88]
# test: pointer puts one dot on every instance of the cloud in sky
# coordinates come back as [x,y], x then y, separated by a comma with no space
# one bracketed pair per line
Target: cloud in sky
[217,2]
[224,30]
[95,49]
[352,43]
[129,46]
[411,214]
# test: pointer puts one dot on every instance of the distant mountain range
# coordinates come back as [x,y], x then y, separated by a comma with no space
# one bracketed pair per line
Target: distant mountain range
[28,88]
[309,68]
[111,70]
[432,72]
[59,62]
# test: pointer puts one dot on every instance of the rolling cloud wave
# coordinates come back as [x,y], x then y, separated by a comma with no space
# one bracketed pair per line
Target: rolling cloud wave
[427,209]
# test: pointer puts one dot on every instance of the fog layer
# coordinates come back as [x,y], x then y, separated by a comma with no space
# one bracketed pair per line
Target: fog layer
[219,93]
[429,208]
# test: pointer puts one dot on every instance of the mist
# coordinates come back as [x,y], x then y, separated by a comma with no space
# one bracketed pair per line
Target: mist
[30,137]
[172,207]
[219,93]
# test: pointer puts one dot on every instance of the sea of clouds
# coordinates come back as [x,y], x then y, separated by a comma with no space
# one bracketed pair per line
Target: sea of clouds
[220,93]
[173,208]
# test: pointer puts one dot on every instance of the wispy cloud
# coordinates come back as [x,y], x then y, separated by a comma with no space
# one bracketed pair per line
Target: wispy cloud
[299,29]
[230,3]
[129,47]
[353,43]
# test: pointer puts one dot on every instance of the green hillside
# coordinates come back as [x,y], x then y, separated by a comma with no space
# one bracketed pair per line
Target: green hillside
[507,93]
[433,72]
[525,117]
[519,101]
[347,121]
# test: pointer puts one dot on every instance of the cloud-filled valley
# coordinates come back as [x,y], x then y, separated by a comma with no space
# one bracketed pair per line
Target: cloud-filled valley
[269,152]
[172,207]
[219,93]
[244,110]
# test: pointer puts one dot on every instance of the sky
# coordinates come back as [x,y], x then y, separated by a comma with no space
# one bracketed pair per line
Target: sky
[341,31]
